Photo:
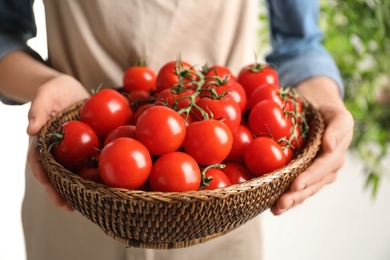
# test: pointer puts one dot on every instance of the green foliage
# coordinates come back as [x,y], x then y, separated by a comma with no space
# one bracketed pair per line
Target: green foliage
[357,34]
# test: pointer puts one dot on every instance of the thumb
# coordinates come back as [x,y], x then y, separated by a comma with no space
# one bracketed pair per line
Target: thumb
[339,125]
[38,116]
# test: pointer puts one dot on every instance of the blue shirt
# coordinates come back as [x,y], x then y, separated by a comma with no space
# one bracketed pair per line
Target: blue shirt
[296,40]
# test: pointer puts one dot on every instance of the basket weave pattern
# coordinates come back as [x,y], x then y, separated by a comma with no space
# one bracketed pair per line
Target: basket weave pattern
[177,219]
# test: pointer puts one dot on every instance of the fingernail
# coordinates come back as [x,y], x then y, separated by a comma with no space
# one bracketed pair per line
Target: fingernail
[288,205]
[30,124]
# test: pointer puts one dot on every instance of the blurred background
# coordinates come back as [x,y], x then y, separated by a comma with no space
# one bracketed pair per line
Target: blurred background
[345,220]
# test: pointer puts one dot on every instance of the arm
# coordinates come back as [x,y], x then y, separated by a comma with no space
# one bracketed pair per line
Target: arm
[303,62]
[24,77]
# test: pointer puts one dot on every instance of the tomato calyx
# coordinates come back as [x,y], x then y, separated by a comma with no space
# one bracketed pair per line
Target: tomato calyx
[184,73]
[93,161]
[256,66]
[142,62]
[205,181]
[56,137]
[192,97]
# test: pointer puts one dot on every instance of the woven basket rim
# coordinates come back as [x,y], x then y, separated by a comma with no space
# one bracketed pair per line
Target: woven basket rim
[312,147]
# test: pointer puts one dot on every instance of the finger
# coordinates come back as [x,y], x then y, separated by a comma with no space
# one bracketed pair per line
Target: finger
[291,199]
[339,125]
[41,175]
[35,165]
[57,199]
[38,116]
[322,166]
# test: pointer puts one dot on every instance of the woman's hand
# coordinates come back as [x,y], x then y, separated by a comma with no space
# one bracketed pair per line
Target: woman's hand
[323,94]
[49,99]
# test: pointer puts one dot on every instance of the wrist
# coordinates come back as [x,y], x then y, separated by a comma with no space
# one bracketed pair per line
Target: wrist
[320,91]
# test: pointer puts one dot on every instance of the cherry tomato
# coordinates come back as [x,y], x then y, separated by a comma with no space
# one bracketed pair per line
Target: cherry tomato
[296,140]
[265,92]
[174,72]
[222,109]
[255,75]
[174,100]
[138,112]
[208,141]
[106,110]
[121,131]
[138,98]
[175,172]
[289,152]
[217,179]
[161,129]
[139,78]
[73,144]
[237,173]
[293,107]
[231,89]
[90,173]
[241,138]
[267,119]
[221,71]
[187,119]
[264,155]
[125,163]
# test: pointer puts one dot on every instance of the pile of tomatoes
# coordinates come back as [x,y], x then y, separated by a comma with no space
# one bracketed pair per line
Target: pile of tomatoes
[184,128]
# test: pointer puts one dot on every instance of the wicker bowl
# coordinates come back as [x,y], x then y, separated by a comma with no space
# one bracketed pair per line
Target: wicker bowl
[178,219]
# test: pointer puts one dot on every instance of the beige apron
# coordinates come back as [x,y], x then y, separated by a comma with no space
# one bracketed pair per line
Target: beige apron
[95,41]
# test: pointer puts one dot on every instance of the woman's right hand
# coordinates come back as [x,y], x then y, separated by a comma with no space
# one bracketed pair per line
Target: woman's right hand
[49,99]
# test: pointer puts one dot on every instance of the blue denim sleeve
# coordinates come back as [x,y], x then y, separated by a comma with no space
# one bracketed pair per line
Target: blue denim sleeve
[296,40]
[17,25]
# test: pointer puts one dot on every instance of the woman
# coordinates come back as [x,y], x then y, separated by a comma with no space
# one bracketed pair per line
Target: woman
[92,44]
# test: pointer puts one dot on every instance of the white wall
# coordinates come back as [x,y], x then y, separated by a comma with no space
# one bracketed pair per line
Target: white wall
[342,222]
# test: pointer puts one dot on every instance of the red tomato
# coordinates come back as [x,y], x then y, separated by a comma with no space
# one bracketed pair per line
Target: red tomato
[161,129]
[237,173]
[220,71]
[187,119]
[216,179]
[174,100]
[264,155]
[293,107]
[289,152]
[139,78]
[121,131]
[138,112]
[106,110]
[255,75]
[296,139]
[171,72]
[231,89]
[222,109]
[267,119]
[125,163]
[175,172]
[241,138]
[73,144]
[265,92]
[208,141]
[90,173]
[138,98]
